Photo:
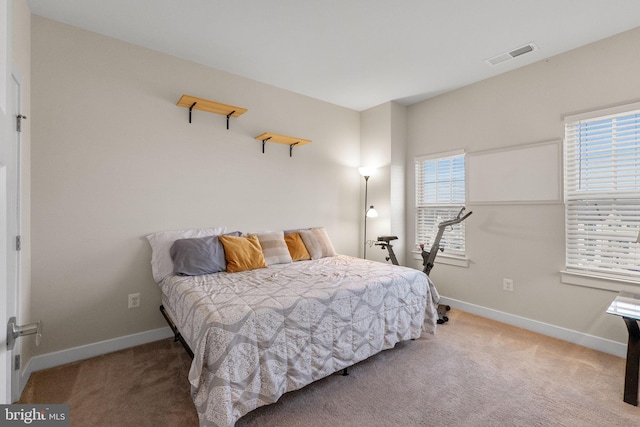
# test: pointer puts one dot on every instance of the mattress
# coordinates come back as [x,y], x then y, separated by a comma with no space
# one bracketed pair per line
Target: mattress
[261,333]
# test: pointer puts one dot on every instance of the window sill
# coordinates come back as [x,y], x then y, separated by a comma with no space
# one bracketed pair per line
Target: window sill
[599,282]
[446,259]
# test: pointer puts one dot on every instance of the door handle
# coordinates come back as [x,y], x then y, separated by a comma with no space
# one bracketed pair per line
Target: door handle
[14,332]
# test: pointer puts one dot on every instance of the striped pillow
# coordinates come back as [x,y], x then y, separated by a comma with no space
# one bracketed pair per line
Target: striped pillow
[274,248]
[318,243]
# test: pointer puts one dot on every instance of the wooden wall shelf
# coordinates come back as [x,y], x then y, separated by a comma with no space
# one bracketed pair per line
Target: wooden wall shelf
[291,141]
[202,104]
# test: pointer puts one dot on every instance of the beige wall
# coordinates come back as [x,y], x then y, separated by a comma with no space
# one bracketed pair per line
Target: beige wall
[383,145]
[397,179]
[114,159]
[525,242]
[375,131]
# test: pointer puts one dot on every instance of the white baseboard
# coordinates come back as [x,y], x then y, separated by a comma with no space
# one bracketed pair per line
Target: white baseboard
[50,360]
[62,357]
[585,340]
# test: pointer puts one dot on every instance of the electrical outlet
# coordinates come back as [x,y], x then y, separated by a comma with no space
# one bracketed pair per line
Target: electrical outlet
[507,284]
[134,300]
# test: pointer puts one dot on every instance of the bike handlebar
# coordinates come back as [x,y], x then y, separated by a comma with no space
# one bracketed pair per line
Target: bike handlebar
[456,220]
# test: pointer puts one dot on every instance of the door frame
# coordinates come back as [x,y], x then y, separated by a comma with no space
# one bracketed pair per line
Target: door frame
[5,46]
[5,356]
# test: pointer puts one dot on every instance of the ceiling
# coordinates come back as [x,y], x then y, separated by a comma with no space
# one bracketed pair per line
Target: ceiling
[353,53]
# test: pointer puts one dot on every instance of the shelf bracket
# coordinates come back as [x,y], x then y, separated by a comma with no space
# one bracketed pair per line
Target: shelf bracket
[191,109]
[291,148]
[263,142]
[229,115]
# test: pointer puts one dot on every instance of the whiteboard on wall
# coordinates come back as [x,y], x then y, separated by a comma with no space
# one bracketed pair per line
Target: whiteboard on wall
[524,174]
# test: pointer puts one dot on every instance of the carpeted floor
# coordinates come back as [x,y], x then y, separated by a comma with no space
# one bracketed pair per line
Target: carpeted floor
[473,372]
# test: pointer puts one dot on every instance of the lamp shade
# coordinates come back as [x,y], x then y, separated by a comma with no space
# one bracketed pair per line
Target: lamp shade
[366,171]
[372,213]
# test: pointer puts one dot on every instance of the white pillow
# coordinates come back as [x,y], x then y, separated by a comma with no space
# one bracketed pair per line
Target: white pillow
[161,263]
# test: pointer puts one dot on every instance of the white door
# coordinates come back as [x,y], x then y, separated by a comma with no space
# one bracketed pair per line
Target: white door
[14,195]
[10,202]
[11,210]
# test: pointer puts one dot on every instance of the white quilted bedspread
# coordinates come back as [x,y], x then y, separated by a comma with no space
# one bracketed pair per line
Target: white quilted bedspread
[259,334]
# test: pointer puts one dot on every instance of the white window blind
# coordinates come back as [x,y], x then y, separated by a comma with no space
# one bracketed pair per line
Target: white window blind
[440,193]
[602,194]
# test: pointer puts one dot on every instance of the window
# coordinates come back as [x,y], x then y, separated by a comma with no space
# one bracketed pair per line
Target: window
[602,193]
[440,194]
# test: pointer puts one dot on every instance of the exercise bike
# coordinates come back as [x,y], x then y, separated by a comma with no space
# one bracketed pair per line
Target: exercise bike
[428,257]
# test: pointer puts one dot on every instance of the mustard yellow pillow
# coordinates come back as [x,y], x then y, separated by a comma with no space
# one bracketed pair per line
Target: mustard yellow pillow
[296,246]
[242,253]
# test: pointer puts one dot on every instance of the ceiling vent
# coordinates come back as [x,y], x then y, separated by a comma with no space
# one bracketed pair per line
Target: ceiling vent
[519,51]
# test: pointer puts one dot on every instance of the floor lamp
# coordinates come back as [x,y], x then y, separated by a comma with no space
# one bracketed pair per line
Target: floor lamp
[369,212]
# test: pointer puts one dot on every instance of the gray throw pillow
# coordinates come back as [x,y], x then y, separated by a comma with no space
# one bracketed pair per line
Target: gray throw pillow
[198,256]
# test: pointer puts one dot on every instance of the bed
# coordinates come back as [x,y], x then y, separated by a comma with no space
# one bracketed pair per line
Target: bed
[260,332]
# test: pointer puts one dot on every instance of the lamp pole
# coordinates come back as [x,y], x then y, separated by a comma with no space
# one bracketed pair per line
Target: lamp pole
[366,190]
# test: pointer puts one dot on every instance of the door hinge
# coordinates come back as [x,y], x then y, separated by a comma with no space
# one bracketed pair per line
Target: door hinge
[16,362]
[18,243]
[19,118]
